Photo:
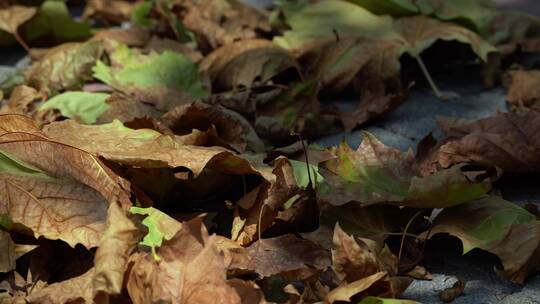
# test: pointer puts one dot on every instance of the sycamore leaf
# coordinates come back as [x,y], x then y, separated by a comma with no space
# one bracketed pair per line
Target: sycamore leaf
[471,13]
[153,78]
[286,255]
[241,63]
[57,191]
[376,173]
[497,226]
[233,130]
[82,106]
[192,270]
[160,227]
[302,176]
[74,290]
[65,67]
[220,22]
[325,19]
[149,149]
[508,141]
[14,16]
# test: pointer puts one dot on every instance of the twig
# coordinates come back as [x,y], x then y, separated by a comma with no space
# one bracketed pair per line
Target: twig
[432,84]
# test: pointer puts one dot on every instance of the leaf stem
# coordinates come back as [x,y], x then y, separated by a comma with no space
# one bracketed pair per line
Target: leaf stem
[425,71]
[22,43]
[405,232]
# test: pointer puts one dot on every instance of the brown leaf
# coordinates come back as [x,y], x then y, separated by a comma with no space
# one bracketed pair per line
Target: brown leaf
[14,16]
[524,90]
[114,11]
[515,239]
[192,270]
[347,291]
[64,192]
[111,258]
[159,45]
[72,291]
[233,130]
[260,207]
[354,259]
[451,293]
[246,62]
[508,141]
[7,252]
[23,100]
[133,36]
[65,67]
[221,22]
[248,291]
[288,256]
[149,149]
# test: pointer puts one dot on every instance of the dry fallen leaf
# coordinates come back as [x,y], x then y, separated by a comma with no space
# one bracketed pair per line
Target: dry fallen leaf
[508,141]
[56,190]
[192,270]
[524,88]
[14,16]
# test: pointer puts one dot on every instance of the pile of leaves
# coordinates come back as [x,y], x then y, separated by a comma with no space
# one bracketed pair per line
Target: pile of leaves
[158,151]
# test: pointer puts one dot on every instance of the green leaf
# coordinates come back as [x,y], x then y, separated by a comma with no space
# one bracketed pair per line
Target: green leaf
[482,223]
[160,227]
[13,166]
[396,8]
[140,14]
[153,76]
[300,170]
[323,19]
[336,19]
[53,20]
[84,106]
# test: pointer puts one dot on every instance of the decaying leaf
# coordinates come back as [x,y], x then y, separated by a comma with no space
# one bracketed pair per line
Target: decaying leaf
[221,22]
[376,174]
[524,89]
[233,130]
[192,270]
[497,226]
[508,141]
[246,62]
[288,256]
[65,67]
[56,190]
[14,16]
[7,252]
[147,148]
